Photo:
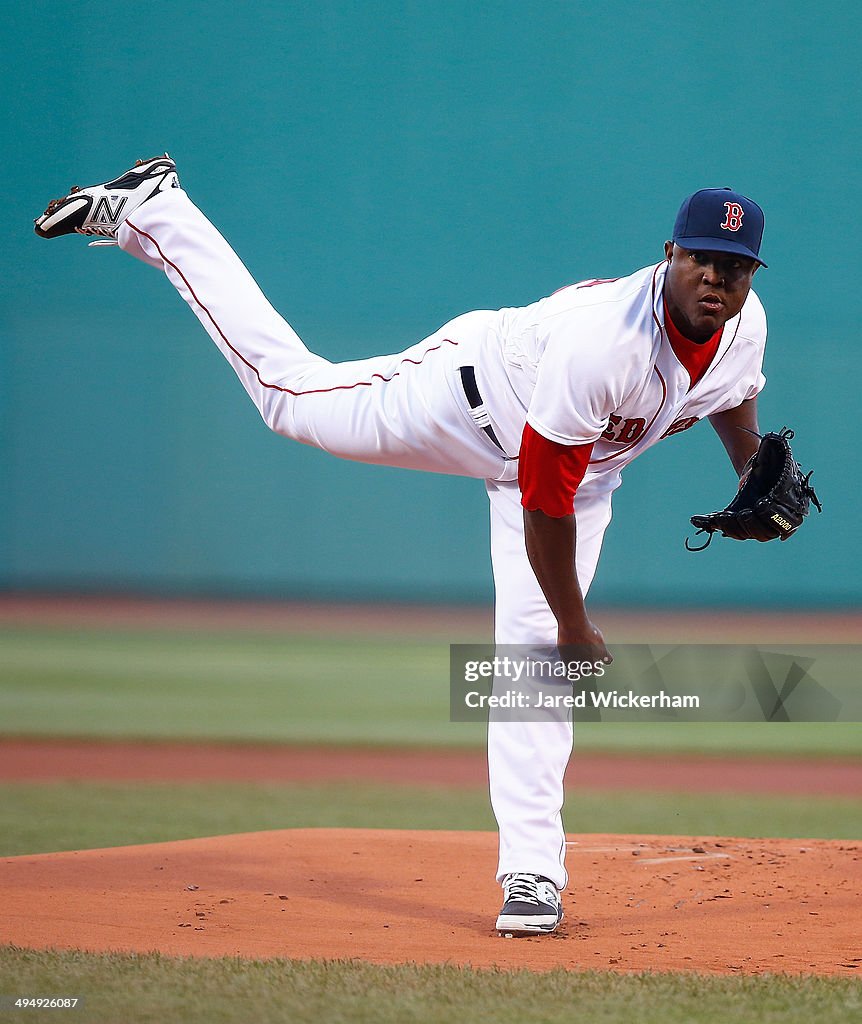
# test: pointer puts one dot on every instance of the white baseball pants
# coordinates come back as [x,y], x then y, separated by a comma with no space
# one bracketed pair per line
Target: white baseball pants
[406,410]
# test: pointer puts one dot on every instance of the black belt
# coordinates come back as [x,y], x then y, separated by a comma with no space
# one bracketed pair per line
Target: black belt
[477,407]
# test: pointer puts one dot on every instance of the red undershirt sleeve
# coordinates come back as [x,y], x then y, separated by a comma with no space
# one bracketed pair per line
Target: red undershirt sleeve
[549,473]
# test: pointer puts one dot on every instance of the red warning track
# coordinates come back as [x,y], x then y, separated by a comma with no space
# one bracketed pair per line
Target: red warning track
[51,760]
[457,624]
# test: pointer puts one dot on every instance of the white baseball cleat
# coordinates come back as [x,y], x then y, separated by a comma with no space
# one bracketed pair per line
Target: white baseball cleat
[531,905]
[101,209]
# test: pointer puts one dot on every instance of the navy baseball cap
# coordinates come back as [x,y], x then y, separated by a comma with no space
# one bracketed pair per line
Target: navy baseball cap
[720,220]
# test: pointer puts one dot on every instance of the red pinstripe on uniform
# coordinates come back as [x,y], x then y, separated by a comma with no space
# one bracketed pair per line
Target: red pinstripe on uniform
[251,366]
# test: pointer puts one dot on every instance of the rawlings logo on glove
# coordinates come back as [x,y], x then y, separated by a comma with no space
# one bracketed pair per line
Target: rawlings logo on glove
[773,497]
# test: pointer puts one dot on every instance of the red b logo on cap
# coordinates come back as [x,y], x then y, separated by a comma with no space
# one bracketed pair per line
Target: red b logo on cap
[733,219]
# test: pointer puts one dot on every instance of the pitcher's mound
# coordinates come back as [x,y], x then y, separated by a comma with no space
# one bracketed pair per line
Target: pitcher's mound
[633,902]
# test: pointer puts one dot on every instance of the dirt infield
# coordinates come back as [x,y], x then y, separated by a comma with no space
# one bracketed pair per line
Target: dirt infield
[56,759]
[634,902]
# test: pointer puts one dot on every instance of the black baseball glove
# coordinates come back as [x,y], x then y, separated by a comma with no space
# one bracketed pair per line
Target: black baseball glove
[773,497]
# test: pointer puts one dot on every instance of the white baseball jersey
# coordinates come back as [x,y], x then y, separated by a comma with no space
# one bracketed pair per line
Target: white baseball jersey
[593,363]
[590,363]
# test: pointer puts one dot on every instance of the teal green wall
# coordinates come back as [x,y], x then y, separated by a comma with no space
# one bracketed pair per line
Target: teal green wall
[382,167]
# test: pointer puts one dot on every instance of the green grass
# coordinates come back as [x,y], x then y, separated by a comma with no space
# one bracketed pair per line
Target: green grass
[45,817]
[153,989]
[227,686]
[752,739]
[273,688]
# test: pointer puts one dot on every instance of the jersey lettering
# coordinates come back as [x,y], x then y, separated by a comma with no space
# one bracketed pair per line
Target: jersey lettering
[632,430]
[610,431]
[733,219]
[623,431]
[679,425]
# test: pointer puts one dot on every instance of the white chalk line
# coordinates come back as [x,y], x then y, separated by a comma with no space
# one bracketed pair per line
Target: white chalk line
[574,847]
[601,849]
[693,856]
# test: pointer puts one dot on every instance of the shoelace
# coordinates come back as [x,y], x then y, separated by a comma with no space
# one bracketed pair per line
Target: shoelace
[97,229]
[523,888]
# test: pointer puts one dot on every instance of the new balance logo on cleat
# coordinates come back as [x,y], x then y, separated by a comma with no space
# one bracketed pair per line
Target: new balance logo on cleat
[99,210]
[104,213]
